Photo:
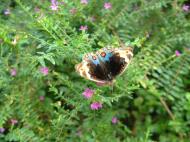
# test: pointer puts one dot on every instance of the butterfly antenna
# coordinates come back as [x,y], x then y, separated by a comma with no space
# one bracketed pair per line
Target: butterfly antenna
[112,87]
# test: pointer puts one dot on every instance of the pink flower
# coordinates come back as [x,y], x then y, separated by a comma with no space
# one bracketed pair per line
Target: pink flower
[44,70]
[1,40]
[54,5]
[2,130]
[79,133]
[186,8]
[62,3]
[96,106]
[83,28]
[14,121]
[7,12]
[84,1]
[13,72]
[177,53]
[73,11]
[41,98]
[88,93]
[107,5]
[114,120]
[92,19]
[37,9]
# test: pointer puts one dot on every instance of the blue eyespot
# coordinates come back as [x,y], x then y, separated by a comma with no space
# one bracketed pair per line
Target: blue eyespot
[94,59]
[105,56]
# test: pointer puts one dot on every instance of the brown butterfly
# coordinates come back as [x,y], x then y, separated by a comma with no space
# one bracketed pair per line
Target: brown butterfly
[103,66]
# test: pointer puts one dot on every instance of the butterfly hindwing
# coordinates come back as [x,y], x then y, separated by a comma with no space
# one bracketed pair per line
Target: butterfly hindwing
[120,60]
[105,65]
[90,69]
[115,60]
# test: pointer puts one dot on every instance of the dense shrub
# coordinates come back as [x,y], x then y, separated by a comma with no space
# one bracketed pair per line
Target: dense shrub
[43,99]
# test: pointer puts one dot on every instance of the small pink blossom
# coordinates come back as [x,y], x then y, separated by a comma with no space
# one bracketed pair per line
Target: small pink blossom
[83,28]
[73,11]
[88,93]
[2,130]
[84,1]
[41,98]
[186,8]
[54,2]
[37,9]
[1,40]
[44,70]
[114,120]
[7,12]
[54,5]
[14,121]
[107,5]
[177,53]
[13,72]
[62,3]
[92,19]
[96,106]
[79,133]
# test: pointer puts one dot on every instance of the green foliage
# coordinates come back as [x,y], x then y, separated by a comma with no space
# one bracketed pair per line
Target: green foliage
[151,99]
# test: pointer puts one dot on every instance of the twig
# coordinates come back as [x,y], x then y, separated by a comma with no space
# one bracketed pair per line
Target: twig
[167,108]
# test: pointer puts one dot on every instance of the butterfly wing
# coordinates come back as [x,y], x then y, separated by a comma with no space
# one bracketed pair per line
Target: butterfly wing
[120,60]
[90,69]
[105,65]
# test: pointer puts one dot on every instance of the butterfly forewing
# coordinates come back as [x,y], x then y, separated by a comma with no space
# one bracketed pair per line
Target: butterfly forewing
[90,69]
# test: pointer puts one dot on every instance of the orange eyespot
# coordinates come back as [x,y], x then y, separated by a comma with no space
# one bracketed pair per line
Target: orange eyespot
[94,57]
[103,54]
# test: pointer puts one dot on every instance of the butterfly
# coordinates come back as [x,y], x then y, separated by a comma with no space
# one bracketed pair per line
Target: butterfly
[103,66]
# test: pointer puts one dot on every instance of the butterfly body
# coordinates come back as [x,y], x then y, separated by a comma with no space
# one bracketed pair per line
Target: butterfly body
[104,65]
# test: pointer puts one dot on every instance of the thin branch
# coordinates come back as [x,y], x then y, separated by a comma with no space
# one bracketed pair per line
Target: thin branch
[167,108]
